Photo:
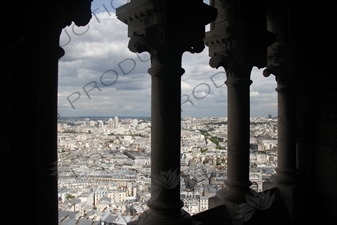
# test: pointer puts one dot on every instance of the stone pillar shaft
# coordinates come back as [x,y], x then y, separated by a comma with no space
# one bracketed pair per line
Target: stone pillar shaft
[237,42]
[166,29]
[286,159]
[165,136]
[165,203]
[238,135]
[280,65]
[285,178]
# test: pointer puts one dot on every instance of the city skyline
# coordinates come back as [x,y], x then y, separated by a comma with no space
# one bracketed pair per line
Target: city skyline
[106,166]
[99,76]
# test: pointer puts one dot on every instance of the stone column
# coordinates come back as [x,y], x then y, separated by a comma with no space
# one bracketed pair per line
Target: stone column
[285,178]
[165,203]
[237,183]
[281,64]
[238,111]
[286,171]
[31,75]
[156,33]
[32,89]
[165,134]
[237,43]
[46,98]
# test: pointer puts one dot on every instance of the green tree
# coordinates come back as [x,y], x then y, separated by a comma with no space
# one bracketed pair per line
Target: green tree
[69,196]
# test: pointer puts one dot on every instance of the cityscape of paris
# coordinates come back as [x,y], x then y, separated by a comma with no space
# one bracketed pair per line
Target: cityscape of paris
[161,112]
[104,164]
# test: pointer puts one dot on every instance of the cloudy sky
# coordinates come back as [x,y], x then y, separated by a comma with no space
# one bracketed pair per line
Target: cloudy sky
[99,76]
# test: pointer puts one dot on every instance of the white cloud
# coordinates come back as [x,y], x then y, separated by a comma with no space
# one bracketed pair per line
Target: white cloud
[185,87]
[254,93]
[100,56]
[127,107]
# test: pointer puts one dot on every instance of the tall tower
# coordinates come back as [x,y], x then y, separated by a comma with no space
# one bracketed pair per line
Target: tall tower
[111,123]
[116,122]
[100,124]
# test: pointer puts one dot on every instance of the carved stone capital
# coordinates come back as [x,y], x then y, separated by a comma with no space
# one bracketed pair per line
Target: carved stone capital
[140,44]
[77,11]
[166,29]
[281,64]
[156,40]
[61,14]
[231,46]
[227,60]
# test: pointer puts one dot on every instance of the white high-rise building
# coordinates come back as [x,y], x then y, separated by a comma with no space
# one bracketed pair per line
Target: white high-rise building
[135,123]
[100,124]
[116,122]
[92,123]
[111,123]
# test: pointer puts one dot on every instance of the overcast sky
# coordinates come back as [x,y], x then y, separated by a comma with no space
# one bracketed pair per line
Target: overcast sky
[99,76]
